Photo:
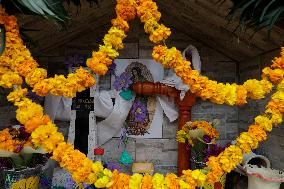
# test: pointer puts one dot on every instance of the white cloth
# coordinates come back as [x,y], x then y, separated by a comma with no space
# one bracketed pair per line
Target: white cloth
[169,107]
[103,104]
[171,79]
[112,125]
[196,62]
[58,107]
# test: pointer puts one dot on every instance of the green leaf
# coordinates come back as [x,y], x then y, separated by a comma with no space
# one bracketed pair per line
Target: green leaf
[30,150]
[5,153]
[196,133]
[257,14]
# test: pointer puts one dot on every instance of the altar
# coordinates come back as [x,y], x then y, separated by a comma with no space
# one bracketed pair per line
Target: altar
[115,96]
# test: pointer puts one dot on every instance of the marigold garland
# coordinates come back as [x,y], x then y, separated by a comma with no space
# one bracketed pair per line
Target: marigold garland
[45,134]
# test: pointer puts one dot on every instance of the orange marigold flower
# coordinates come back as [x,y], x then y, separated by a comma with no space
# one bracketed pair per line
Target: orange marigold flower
[120,23]
[26,67]
[37,75]
[125,11]
[258,132]
[42,88]
[98,68]
[35,122]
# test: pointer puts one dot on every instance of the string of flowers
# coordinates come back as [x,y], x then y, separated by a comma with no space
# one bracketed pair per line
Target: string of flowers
[17,61]
[44,133]
[18,58]
[220,93]
[84,170]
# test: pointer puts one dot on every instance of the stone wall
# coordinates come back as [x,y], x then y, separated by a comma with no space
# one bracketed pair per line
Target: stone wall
[162,152]
[273,147]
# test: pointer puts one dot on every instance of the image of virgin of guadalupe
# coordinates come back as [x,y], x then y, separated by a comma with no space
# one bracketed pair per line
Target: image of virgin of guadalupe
[142,111]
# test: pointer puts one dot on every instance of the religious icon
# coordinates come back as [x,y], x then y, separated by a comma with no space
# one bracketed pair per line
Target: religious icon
[143,107]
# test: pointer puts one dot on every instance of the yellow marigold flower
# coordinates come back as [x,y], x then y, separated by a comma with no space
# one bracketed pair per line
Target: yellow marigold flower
[172,181]
[276,119]
[84,79]
[4,69]
[266,85]
[92,178]
[36,76]
[280,86]
[27,111]
[151,25]
[114,179]
[181,136]
[241,95]
[275,75]
[17,95]
[230,158]
[264,122]
[199,176]
[83,172]
[112,53]
[230,94]
[147,182]
[135,181]
[120,23]
[184,185]
[47,137]
[187,175]
[247,142]
[117,32]
[159,52]
[161,33]
[7,142]
[8,79]
[258,132]
[25,67]
[256,89]
[42,88]
[58,83]
[279,61]
[62,148]
[97,167]
[114,38]
[159,181]
[214,175]
[102,182]
[72,160]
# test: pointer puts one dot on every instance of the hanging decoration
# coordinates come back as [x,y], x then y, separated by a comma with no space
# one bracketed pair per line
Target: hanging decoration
[16,62]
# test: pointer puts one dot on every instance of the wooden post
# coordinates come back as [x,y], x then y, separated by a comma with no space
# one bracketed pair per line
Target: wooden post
[184,116]
[148,88]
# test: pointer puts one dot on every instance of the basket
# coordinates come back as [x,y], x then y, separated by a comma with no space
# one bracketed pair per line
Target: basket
[14,179]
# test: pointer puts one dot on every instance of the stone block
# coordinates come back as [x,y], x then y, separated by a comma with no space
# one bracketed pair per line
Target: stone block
[130,51]
[169,129]
[157,151]
[113,151]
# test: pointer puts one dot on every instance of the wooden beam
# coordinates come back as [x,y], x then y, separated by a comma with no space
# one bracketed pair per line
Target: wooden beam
[197,24]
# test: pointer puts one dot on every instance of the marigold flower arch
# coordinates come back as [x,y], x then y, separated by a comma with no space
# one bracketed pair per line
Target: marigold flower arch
[16,62]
